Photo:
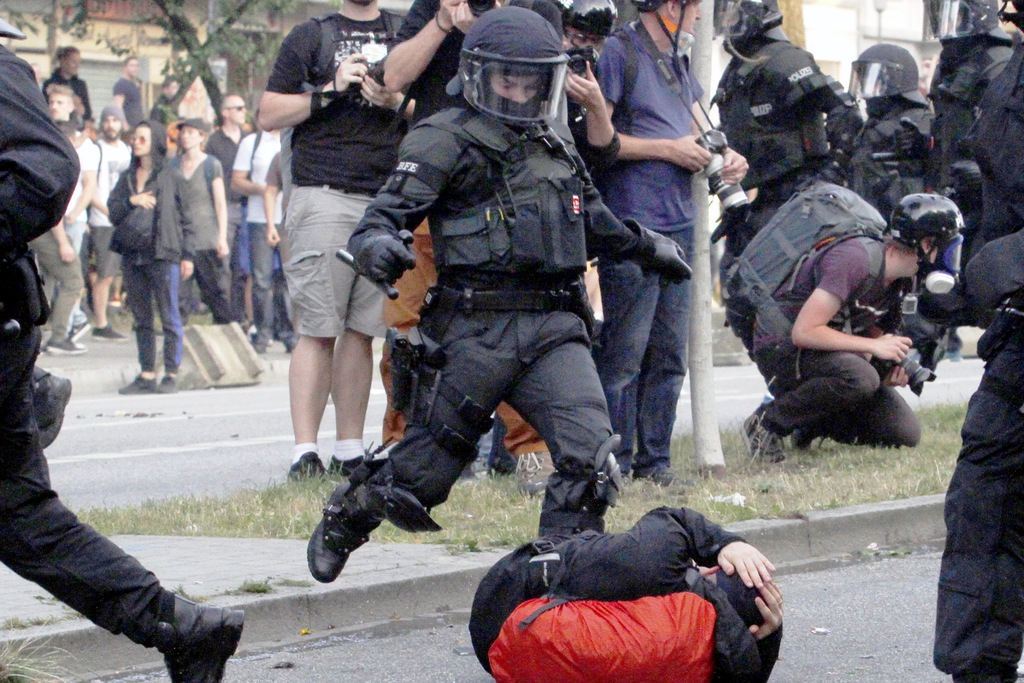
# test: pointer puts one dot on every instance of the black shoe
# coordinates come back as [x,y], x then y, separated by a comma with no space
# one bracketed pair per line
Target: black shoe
[64,347]
[344,467]
[803,438]
[762,443]
[661,476]
[199,642]
[332,540]
[167,385]
[140,385]
[108,333]
[307,467]
[50,399]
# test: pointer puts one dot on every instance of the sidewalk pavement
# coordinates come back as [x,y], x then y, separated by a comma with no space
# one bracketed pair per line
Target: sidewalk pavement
[384,582]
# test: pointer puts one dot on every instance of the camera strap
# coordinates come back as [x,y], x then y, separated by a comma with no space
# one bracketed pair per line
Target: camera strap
[661,61]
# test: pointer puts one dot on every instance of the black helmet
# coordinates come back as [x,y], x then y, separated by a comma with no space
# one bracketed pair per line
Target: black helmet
[513,50]
[947,19]
[885,70]
[596,17]
[925,215]
[741,21]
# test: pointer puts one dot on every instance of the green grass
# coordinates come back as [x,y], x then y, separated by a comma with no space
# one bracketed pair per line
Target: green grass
[31,662]
[492,513]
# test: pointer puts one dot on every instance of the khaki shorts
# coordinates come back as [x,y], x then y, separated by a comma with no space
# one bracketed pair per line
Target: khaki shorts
[108,263]
[325,292]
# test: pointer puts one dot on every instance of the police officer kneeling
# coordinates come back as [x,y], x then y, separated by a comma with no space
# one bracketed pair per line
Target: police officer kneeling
[514,217]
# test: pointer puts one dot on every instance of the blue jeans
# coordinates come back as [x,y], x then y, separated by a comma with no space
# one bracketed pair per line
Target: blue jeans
[641,357]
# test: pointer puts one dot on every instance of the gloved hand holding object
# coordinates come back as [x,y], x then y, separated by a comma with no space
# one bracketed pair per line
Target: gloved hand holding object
[659,254]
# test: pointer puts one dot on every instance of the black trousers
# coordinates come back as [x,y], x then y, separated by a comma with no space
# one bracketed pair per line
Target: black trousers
[156,282]
[980,617]
[540,364]
[213,279]
[42,540]
[834,394]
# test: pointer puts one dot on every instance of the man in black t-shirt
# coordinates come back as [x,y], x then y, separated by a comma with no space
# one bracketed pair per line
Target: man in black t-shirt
[344,146]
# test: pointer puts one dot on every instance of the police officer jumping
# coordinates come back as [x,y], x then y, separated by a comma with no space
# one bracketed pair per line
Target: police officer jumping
[513,216]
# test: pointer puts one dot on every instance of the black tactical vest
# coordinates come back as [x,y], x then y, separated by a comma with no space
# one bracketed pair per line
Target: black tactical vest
[531,220]
[883,182]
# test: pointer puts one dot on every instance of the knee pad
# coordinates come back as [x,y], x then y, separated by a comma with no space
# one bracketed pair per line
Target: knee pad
[461,440]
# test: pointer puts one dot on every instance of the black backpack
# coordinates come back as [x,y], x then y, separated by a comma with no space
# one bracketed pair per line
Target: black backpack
[818,217]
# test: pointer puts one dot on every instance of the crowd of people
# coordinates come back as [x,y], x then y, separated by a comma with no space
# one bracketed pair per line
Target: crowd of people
[475,162]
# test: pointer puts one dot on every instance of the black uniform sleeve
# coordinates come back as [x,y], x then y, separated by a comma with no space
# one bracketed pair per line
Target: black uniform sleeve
[428,159]
[38,166]
[606,234]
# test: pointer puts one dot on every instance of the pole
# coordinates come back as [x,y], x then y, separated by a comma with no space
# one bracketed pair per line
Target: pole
[706,439]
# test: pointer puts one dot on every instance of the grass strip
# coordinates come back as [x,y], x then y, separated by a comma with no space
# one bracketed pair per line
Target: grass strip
[490,512]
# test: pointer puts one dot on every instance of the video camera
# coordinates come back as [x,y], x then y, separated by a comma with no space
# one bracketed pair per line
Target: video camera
[731,196]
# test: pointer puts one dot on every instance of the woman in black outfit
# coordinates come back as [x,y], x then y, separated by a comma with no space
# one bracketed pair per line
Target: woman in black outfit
[151,232]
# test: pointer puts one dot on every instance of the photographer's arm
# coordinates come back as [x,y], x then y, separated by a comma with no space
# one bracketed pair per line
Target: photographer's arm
[684,151]
[433,22]
[281,110]
[811,331]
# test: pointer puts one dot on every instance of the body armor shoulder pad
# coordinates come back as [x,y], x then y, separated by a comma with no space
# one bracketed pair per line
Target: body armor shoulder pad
[475,129]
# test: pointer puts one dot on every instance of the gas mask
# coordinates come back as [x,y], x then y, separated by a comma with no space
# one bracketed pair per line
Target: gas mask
[941,275]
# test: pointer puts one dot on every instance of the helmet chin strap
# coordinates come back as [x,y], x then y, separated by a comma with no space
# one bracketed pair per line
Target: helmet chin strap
[672,33]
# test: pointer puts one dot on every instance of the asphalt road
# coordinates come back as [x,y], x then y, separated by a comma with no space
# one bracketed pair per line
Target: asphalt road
[864,621]
[122,450]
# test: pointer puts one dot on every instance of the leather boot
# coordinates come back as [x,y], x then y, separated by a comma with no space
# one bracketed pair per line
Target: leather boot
[199,642]
[344,528]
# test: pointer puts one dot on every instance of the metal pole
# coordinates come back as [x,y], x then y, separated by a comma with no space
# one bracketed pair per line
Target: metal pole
[706,439]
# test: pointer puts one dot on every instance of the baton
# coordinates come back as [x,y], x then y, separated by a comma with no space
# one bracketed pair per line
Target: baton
[389,290]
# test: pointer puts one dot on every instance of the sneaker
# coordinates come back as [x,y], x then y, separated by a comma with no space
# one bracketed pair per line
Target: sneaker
[78,331]
[307,467]
[140,385]
[762,443]
[344,467]
[108,333]
[64,347]
[533,470]
[198,641]
[661,476]
[167,385]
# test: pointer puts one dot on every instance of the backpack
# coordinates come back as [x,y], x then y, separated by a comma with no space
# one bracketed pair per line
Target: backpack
[329,36]
[207,170]
[815,219]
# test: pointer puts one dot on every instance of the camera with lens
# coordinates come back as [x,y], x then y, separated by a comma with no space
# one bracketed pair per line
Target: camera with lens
[579,57]
[731,196]
[916,373]
[478,7]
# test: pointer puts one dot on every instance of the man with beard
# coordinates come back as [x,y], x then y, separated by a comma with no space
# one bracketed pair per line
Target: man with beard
[115,156]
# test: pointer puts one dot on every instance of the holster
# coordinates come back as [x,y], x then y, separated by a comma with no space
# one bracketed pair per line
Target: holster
[21,290]
[412,355]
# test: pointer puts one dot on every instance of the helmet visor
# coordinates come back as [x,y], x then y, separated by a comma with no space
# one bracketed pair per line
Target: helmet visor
[950,256]
[738,18]
[515,91]
[952,19]
[872,79]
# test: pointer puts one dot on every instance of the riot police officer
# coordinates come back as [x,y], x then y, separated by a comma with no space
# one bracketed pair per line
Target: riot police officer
[513,217]
[773,99]
[888,161]
[980,616]
[975,50]
[42,540]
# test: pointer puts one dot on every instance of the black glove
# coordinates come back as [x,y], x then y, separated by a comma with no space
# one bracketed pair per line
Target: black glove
[911,141]
[965,184]
[843,127]
[384,258]
[659,254]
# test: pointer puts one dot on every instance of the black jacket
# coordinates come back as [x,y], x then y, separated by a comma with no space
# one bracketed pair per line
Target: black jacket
[38,166]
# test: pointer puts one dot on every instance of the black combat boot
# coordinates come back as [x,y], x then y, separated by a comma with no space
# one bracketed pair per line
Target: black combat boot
[343,528]
[197,645]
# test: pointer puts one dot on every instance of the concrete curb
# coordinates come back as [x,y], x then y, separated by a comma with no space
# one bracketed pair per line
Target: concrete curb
[402,581]
[107,380]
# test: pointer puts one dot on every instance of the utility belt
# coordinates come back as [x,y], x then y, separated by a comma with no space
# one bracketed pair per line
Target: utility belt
[571,298]
[23,304]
